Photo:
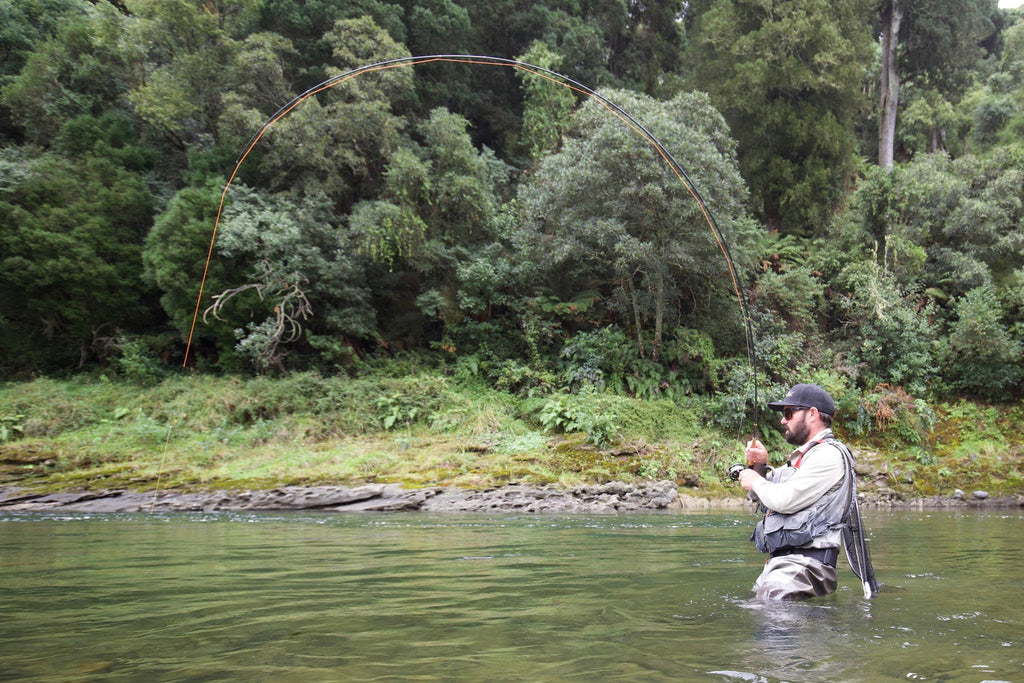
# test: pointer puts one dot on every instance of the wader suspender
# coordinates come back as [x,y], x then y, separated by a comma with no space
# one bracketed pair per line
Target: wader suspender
[796,465]
[847,460]
[853,531]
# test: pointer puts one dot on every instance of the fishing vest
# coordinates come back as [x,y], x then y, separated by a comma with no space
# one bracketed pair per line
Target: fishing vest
[776,530]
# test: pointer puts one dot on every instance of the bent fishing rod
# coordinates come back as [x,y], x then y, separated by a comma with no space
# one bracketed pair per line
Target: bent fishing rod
[541,72]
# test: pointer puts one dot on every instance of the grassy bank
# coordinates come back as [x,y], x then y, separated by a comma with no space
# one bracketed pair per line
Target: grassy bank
[201,432]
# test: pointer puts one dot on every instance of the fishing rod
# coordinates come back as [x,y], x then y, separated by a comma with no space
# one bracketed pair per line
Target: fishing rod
[553,77]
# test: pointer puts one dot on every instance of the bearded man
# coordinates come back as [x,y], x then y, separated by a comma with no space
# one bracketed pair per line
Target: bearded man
[805,503]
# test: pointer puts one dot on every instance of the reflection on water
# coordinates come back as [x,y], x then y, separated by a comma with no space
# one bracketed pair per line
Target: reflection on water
[304,597]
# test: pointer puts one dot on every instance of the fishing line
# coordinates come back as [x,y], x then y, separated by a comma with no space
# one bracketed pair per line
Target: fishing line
[541,72]
[160,467]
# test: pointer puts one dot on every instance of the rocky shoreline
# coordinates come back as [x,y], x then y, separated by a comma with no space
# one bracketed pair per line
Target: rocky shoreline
[614,497]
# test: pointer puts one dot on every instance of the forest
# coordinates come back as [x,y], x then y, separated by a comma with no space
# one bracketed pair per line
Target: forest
[863,161]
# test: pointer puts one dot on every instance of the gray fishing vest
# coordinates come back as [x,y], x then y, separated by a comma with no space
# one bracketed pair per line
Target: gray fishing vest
[776,531]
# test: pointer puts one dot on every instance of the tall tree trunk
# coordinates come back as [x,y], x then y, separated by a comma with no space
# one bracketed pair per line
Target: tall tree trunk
[628,286]
[892,16]
[659,312]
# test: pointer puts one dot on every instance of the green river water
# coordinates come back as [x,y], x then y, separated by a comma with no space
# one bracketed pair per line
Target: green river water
[418,597]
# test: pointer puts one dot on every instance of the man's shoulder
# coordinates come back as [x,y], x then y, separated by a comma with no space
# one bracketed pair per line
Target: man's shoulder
[830,440]
[829,447]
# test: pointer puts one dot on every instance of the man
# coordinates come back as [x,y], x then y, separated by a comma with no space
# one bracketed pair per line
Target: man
[806,502]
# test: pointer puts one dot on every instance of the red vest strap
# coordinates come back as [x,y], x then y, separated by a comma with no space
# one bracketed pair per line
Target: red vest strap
[796,465]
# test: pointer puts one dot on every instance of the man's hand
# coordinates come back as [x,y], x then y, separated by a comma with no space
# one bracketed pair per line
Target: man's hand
[748,478]
[756,453]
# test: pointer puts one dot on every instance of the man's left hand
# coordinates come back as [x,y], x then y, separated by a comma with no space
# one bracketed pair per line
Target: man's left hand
[748,478]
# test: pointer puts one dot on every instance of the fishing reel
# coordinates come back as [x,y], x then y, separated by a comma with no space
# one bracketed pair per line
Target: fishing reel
[734,471]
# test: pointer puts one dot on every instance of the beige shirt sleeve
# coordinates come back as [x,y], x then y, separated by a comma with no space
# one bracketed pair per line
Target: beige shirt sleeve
[821,468]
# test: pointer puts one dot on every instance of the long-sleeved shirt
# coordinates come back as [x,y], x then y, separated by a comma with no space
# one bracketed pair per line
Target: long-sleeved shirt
[789,489]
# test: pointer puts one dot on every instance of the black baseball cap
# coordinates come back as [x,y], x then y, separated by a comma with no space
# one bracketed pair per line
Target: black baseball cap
[806,396]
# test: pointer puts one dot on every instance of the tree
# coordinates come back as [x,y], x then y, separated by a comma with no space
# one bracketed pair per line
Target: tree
[77,72]
[788,77]
[305,22]
[182,68]
[649,47]
[983,358]
[302,269]
[891,21]
[547,106]
[933,44]
[174,259]
[910,258]
[994,107]
[951,225]
[606,213]
[884,333]
[436,211]
[24,24]
[337,143]
[441,27]
[71,232]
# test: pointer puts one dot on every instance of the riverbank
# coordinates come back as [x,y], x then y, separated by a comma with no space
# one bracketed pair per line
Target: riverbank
[197,442]
[614,497]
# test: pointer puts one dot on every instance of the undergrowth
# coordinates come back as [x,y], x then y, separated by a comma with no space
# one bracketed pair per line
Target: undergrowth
[423,429]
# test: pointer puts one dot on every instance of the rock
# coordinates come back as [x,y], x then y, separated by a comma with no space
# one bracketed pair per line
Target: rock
[690,502]
[611,497]
[310,497]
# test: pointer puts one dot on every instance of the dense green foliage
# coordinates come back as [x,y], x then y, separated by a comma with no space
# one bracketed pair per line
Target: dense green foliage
[501,227]
[789,78]
[405,424]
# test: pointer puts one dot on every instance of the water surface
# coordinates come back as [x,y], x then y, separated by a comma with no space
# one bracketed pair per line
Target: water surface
[411,596]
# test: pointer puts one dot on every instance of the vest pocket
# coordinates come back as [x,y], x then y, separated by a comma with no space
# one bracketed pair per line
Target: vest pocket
[777,531]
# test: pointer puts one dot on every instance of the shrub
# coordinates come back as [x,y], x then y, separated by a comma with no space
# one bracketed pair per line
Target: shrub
[887,330]
[795,294]
[138,363]
[891,413]
[693,352]
[983,359]
[589,413]
[597,359]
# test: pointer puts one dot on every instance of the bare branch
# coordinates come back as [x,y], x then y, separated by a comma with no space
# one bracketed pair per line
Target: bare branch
[285,326]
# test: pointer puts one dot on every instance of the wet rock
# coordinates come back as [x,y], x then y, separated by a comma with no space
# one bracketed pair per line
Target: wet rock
[612,497]
[958,494]
[690,502]
[310,497]
[604,498]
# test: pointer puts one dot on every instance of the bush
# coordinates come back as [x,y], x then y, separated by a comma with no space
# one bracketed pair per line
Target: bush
[777,348]
[982,357]
[589,413]
[138,363]
[889,413]
[597,359]
[518,378]
[693,352]
[887,331]
[796,295]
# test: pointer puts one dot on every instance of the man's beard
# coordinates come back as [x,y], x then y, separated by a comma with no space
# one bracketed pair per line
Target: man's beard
[797,435]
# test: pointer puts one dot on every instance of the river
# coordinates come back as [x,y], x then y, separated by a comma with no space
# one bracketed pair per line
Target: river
[423,597]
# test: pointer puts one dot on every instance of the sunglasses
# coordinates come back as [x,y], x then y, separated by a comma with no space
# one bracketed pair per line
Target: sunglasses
[789,411]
